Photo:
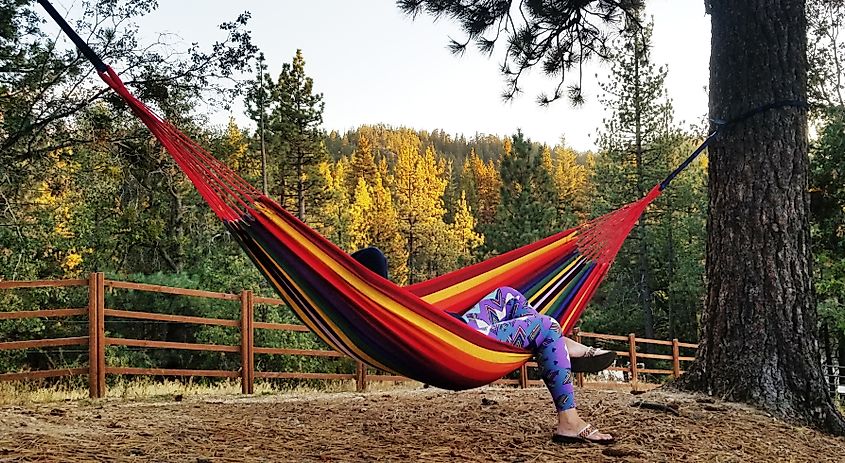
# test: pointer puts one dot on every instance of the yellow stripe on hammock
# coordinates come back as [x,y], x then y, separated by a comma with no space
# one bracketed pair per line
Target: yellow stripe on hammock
[449,338]
[451,291]
[554,281]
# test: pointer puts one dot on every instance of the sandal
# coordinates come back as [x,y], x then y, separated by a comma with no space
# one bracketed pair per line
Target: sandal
[592,362]
[583,437]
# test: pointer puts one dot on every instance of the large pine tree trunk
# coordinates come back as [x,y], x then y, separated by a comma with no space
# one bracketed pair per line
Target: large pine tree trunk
[759,339]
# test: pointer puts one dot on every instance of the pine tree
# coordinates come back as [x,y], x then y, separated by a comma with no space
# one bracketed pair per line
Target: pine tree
[335,215]
[526,212]
[360,227]
[631,161]
[469,179]
[571,180]
[465,240]
[363,163]
[419,187]
[292,114]
[826,91]
[827,196]
[677,247]
[452,190]
[385,233]
[234,150]
[489,192]
[481,183]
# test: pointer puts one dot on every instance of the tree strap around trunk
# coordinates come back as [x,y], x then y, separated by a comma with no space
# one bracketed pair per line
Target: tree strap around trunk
[722,124]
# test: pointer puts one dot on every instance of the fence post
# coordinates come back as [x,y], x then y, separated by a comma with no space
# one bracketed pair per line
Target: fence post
[579,377]
[676,358]
[247,360]
[360,376]
[632,356]
[523,376]
[101,335]
[251,344]
[93,363]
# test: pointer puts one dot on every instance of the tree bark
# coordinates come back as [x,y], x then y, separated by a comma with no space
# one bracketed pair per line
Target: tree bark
[759,339]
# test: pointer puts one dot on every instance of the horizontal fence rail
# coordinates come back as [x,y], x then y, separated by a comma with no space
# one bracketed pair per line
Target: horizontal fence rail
[626,375]
[42,343]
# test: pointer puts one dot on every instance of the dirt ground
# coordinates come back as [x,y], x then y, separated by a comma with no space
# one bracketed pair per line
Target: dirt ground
[488,424]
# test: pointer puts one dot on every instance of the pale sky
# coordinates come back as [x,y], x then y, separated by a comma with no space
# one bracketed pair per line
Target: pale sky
[375,65]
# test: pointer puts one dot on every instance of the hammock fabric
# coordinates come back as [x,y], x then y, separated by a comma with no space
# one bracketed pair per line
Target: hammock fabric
[403,330]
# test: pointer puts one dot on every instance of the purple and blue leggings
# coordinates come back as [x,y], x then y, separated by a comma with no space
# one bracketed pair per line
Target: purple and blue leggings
[506,315]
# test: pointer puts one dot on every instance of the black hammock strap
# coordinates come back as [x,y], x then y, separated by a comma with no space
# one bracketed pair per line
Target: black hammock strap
[77,40]
[722,124]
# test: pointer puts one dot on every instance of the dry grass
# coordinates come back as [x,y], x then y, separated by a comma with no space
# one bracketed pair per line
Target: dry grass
[20,393]
[140,389]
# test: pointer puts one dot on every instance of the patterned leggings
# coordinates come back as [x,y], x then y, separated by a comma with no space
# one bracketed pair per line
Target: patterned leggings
[506,315]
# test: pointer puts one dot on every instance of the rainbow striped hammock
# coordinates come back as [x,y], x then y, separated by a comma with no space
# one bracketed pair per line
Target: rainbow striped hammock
[404,330]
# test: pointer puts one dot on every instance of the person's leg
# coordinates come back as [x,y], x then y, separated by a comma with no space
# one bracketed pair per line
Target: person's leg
[542,335]
[515,303]
[488,311]
[506,315]
[518,306]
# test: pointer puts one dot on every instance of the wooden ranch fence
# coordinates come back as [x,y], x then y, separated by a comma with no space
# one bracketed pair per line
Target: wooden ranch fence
[97,340]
